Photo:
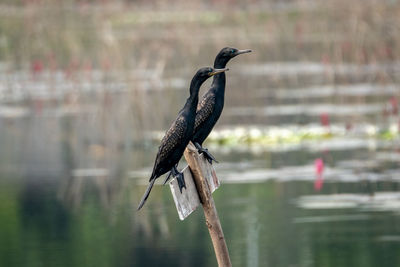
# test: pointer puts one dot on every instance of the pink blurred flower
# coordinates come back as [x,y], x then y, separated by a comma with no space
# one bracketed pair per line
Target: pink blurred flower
[319,169]
[37,66]
[324,119]
[319,166]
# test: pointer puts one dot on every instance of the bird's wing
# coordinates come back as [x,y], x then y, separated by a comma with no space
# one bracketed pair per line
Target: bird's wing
[172,138]
[204,110]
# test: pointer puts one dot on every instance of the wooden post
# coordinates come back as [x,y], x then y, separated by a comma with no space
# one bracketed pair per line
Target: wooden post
[198,167]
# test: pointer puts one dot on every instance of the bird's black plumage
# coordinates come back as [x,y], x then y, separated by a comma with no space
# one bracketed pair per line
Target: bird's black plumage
[210,108]
[179,134]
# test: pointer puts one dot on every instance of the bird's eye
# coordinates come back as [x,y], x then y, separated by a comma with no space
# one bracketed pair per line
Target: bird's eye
[233,51]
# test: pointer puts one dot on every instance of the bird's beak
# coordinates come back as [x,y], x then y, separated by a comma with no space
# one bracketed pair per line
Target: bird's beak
[216,71]
[243,51]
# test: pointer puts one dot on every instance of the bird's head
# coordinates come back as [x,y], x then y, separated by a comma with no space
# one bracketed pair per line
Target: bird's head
[205,73]
[226,54]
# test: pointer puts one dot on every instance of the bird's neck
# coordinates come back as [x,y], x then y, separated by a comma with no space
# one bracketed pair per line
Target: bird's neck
[220,62]
[191,102]
[219,80]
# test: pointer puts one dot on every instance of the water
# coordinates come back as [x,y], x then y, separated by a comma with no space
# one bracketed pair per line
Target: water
[72,175]
[61,208]
[266,223]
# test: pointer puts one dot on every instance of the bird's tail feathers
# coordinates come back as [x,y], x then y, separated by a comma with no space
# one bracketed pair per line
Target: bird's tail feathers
[146,194]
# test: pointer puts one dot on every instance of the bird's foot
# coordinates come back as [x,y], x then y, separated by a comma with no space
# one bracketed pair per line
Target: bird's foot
[207,155]
[179,178]
[181,181]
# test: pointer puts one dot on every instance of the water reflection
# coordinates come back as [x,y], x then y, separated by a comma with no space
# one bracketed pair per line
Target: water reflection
[73,199]
[262,223]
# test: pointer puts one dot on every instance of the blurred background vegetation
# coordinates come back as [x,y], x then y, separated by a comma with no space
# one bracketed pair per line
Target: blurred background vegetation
[308,140]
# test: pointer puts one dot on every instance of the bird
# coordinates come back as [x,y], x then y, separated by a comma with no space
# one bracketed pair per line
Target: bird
[212,103]
[179,134]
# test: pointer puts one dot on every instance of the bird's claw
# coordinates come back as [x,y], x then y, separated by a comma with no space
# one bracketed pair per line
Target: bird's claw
[207,155]
[181,181]
[179,178]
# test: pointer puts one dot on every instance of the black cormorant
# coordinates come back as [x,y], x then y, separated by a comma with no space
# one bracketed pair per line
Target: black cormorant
[179,134]
[210,107]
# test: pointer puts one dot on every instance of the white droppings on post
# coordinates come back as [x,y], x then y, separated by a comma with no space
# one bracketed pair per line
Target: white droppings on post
[187,201]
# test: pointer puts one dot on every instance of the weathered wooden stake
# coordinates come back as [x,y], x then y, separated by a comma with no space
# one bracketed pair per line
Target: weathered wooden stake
[198,167]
